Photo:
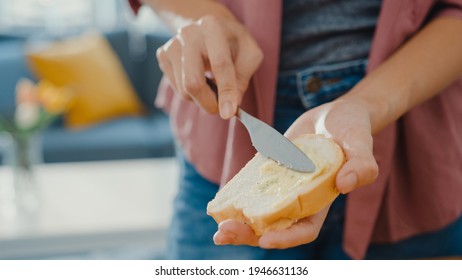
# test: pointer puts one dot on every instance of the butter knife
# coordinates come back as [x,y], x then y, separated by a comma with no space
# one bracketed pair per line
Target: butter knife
[270,143]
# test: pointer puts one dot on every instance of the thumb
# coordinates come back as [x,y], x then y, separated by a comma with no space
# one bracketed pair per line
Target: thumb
[360,168]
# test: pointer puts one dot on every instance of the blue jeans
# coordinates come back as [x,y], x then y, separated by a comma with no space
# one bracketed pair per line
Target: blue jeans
[191,231]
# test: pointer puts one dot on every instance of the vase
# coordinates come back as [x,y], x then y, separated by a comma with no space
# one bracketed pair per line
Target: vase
[21,193]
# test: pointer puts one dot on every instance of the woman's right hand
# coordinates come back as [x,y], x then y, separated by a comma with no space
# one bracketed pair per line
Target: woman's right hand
[217,47]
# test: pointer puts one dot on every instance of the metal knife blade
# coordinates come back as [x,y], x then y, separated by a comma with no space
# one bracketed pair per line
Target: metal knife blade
[270,143]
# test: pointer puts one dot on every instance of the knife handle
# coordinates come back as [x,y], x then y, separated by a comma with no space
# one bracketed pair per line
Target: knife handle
[214,88]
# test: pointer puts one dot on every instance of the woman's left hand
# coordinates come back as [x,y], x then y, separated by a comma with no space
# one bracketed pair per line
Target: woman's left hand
[346,121]
[304,231]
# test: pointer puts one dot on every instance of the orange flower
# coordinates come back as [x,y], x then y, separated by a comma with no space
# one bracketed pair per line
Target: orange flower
[26,92]
[55,100]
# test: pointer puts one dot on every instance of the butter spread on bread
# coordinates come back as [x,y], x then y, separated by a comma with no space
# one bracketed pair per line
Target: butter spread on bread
[269,196]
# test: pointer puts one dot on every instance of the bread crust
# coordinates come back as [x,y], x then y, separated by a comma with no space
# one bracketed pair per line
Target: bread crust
[302,203]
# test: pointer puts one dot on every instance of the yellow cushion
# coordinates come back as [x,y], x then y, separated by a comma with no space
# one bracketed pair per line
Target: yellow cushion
[90,68]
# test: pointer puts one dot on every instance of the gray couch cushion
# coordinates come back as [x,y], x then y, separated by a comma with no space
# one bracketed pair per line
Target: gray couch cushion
[123,138]
[140,65]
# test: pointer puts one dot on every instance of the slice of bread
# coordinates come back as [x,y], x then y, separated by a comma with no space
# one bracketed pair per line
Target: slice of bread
[268,196]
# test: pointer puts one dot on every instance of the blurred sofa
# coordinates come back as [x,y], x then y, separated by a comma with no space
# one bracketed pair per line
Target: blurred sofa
[122,138]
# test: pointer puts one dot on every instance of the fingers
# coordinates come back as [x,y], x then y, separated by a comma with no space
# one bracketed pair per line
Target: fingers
[192,70]
[165,65]
[235,233]
[222,66]
[348,123]
[181,61]
[211,44]
[303,232]
[361,168]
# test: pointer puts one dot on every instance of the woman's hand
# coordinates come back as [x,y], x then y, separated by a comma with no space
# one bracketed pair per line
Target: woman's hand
[302,232]
[347,121]
[219,46]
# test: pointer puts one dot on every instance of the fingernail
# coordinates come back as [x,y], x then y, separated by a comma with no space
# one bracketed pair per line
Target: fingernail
[350,180]
[221,240]
[226,110]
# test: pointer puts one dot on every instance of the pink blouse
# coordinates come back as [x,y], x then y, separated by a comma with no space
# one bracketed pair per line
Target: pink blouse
[419,188]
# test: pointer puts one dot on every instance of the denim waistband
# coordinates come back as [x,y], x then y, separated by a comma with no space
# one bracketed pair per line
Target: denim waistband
[313,86]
